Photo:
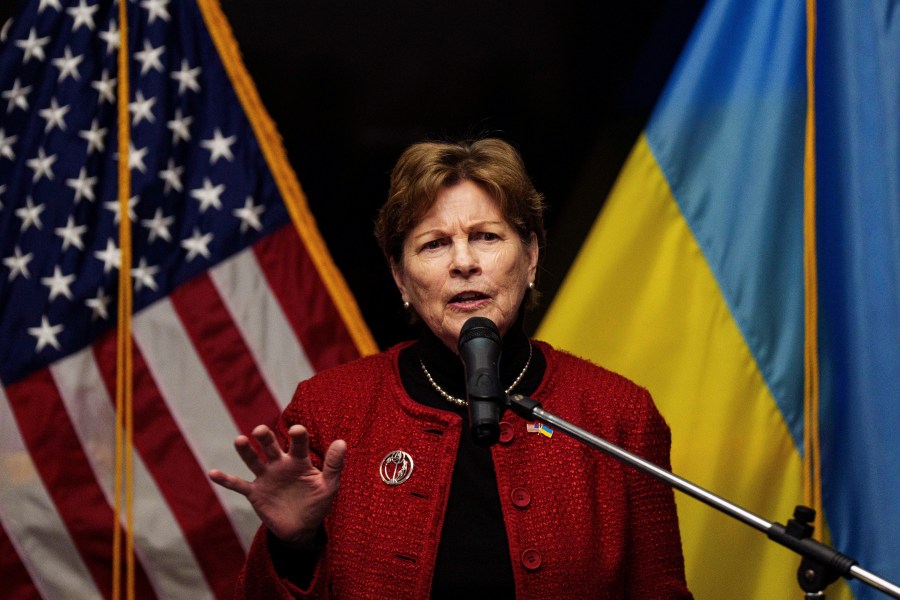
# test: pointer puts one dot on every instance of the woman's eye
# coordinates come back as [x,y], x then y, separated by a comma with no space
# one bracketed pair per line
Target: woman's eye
[488,236]
[432,245]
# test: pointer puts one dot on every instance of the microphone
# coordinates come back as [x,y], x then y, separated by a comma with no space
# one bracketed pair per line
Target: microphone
[479,348]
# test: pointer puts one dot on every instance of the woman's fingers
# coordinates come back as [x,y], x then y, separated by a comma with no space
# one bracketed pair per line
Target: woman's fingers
[235,484]
[268,442]
[334,460]
[249,455]
[299,447]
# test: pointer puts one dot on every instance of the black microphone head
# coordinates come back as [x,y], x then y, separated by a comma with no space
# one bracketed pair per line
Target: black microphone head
[477,327]
[480,348]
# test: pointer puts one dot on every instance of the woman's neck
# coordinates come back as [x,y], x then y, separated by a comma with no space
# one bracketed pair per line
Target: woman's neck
[446,368]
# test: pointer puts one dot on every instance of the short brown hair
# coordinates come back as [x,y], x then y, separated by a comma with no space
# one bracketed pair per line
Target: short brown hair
[427,167]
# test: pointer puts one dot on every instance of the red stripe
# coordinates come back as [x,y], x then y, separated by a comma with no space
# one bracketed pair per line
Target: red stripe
[51,440]
[181,480]
[227,358]
[308,306]
[17,584]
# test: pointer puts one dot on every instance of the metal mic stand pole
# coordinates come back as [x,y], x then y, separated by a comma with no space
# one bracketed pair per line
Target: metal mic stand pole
[820,565]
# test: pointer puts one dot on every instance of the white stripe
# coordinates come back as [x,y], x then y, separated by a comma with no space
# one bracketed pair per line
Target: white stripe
[31,521]
[159,542]
[195,405]
[262,323]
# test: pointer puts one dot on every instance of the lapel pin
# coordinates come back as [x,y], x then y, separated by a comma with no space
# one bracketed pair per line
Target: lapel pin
[396,467]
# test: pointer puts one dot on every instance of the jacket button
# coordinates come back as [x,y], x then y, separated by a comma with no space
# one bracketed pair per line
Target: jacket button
[521,497]
[531,559]
[506,432]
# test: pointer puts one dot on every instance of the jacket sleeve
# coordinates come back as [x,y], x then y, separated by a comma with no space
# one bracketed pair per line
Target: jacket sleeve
[274,571]
[655,560]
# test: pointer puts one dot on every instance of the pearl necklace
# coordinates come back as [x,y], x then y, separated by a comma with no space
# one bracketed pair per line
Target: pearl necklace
[460,401]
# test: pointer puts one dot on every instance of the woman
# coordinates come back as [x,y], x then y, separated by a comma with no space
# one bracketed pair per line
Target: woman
[383,494]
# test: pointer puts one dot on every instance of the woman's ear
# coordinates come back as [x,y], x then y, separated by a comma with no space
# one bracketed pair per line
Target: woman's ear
[533,252]
[397,273]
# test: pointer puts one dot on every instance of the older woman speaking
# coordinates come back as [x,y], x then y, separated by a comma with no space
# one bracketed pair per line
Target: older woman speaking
[381,492]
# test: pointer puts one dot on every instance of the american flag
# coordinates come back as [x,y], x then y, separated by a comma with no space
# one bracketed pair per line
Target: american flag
[235,298]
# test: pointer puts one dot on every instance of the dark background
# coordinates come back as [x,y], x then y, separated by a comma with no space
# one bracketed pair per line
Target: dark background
[350,84]
[570,83]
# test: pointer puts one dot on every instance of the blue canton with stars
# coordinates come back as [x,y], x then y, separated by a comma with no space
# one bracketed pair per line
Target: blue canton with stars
[201,190]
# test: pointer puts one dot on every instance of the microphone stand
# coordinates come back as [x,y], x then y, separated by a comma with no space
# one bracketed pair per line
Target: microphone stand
[820,566]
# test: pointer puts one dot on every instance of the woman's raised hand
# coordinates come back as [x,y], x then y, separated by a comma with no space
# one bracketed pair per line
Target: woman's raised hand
[289,494]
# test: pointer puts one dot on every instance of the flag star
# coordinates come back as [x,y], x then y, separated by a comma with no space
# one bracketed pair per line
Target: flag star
[59,284]
[156,8]
[17,96]
[249,215]
[111,37]
[6,144]
[172,176]
[68,65]
[186,77]
[197,244]
[83,185]
[99,305]
[179,126]
[33,46]
[106,87]
[141,108]
[159,226]
[208,195]
[4,31]
[18,264]
[116,208]
[52,3]
[46,334]
[111,256]
[149,57]
[42,165]
[136,158]
[143,275]
[94,137]
[30,215]
[219,146]
[71,234]
[83,15]
[55,116]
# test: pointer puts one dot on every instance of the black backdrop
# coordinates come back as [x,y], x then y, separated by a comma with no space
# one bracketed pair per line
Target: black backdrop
[571,83]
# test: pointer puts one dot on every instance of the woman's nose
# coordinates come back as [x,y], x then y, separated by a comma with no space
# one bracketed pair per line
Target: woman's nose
[464,259]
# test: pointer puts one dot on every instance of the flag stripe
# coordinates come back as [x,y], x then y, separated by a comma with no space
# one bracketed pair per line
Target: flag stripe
[295,281]
[224,354]
[49,436]
[170,563]
[739,116]
[174,466]
[192,404]
[15,576]
[33,526]
[858,218]
[263,324]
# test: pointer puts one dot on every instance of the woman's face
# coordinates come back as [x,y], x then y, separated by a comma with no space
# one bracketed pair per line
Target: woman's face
[464,260]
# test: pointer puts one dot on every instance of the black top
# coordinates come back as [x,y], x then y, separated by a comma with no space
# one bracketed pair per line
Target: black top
[473,556]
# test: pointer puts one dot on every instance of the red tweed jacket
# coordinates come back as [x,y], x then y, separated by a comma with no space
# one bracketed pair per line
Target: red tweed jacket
[579,524]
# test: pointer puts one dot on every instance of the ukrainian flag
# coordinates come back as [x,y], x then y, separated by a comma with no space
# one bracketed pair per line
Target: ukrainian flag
[746,269]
